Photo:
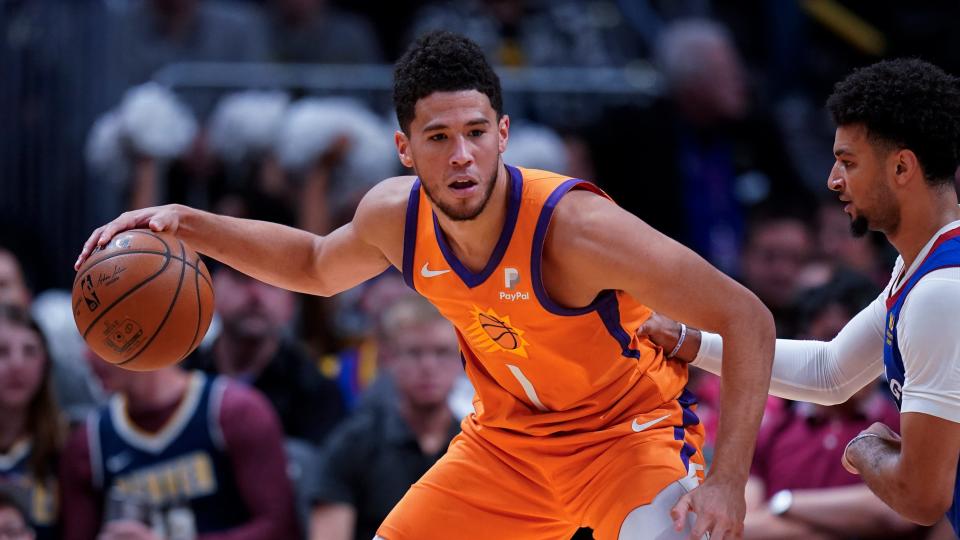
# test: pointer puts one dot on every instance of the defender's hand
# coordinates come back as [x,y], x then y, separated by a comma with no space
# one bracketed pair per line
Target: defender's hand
[851,452]
[664,332]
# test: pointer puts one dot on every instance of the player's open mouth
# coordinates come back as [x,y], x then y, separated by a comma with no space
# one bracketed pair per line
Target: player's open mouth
[463,187]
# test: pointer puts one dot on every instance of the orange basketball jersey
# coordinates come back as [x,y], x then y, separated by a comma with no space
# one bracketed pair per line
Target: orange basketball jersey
[538,368]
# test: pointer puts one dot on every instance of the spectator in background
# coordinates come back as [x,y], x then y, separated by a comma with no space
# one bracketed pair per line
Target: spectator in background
[13,285]
[537,147]
[72,385]
[149,34]
[371,460]
[779,244]
[704,155]
[13,520]
[132,146]
[798,487]
[255,347]
[176,452]
[356,365]
[332,150]
[517,33]
[312,31]
[30,421]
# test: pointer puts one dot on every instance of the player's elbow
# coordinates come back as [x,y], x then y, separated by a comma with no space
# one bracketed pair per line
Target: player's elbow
[757,318]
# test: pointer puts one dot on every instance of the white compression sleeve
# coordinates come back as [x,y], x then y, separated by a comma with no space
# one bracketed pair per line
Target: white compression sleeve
[817,371]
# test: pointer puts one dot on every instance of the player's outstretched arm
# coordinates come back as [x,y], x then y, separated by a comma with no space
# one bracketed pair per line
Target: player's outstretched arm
[604,247]
[284,256]
[823,372]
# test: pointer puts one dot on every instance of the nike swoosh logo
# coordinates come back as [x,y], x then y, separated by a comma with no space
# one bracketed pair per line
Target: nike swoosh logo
[426,272]
[640,427]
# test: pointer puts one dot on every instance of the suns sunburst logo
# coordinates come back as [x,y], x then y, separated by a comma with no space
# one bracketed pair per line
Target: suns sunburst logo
[492,332]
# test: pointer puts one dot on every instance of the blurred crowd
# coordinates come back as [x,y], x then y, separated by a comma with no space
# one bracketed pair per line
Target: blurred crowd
[301,417]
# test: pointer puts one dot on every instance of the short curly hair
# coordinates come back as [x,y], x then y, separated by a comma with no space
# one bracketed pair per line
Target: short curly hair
[442,61]
[906,103]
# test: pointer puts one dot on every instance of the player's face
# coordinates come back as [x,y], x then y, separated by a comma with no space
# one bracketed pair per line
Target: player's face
[22,365]
[861,177]
[424,362]
[454,145]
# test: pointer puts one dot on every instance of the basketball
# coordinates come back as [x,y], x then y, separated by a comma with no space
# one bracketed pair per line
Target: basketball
[144,301]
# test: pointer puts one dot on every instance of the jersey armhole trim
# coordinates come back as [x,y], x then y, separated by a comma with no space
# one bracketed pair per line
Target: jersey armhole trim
[536,256]
[410,233]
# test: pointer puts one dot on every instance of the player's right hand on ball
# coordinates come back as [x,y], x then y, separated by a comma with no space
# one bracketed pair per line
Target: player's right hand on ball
[157,218]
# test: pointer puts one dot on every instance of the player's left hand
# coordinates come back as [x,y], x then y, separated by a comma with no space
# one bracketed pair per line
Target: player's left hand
[126,529]
[720,508]
[879,429]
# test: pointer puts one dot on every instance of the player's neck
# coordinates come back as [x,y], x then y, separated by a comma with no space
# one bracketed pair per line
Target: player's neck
[920,218]
[160,389]
[13,426]
[473,241]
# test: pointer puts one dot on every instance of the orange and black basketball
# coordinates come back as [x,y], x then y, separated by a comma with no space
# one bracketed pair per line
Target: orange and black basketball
[144,301]
[499,332]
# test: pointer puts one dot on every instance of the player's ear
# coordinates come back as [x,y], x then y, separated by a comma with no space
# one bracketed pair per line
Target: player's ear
[906,166]
[403,148]
[503,130]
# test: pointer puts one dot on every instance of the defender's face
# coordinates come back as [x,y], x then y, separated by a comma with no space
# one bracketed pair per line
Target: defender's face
[454,145]
[860,177]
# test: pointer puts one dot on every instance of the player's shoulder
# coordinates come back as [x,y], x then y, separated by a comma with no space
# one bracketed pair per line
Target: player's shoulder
[387,200]
[383,209]
[582,215]
[932,302]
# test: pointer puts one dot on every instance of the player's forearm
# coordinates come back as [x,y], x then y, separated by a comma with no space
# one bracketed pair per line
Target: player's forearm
[744,383]
[827,373]
[879,464]
[273,253]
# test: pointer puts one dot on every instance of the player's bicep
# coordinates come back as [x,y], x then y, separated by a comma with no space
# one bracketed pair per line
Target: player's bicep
[616,250]
[927,332]
[367,245]
[344,259]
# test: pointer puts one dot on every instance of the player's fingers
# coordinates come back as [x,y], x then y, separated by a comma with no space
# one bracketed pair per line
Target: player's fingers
[126,221]
[700,528]
[88,247]
[847,465]
[679,512]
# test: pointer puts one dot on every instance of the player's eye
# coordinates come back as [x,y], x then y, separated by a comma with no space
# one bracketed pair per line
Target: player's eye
[438,137]
[476,132]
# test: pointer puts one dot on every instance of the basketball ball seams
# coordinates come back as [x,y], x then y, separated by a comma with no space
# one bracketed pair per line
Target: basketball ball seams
[173,302]
[138,252]
[195,266]
[122,297]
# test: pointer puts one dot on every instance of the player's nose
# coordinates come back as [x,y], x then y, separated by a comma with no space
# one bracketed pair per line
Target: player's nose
[462,154]
[834,180]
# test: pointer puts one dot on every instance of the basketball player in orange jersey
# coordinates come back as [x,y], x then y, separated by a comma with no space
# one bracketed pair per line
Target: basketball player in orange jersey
[578,421]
